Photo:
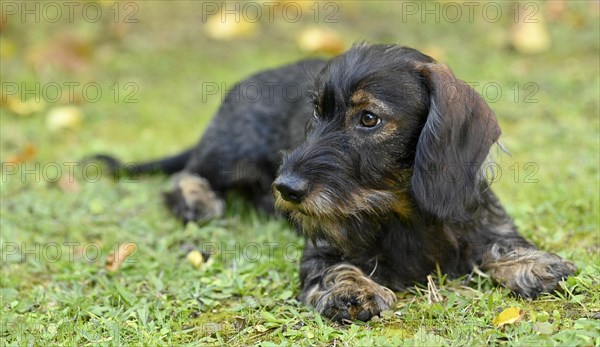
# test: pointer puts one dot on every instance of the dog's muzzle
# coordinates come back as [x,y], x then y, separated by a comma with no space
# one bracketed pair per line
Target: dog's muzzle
[293,188]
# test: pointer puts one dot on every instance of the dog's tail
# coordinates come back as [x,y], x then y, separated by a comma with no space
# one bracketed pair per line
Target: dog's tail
[167,165]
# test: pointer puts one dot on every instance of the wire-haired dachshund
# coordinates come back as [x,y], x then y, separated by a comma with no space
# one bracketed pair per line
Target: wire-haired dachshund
[376,156]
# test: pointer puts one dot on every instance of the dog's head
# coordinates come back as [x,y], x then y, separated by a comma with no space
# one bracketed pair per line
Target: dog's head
[393,132]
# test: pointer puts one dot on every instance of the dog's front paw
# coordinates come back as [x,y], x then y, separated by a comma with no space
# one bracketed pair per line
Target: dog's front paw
[349,302]
[529,272]
[345,293]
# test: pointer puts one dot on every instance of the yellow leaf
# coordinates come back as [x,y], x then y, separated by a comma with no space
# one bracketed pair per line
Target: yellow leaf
[195,258]
[20,107]
[508,316]
[321,40]
[64,117]
[229,26]
[530,35]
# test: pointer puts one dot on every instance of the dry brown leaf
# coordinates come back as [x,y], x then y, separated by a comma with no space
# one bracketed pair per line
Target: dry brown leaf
[116,258]
[508,316]
[64,117]
[27,154]
[321,40]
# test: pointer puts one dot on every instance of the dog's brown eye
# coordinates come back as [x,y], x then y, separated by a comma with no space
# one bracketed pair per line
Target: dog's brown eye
[369,120]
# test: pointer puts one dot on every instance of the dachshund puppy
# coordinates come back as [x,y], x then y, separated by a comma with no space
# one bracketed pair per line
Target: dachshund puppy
[376,156]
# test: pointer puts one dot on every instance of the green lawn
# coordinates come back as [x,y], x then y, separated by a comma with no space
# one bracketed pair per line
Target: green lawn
[55,238]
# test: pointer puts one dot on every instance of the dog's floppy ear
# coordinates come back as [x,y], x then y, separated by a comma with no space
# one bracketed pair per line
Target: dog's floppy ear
[456,138]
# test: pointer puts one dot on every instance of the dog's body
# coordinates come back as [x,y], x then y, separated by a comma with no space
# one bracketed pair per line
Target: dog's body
[382,173]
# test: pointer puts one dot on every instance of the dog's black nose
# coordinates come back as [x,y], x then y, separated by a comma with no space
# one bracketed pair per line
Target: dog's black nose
[292,187]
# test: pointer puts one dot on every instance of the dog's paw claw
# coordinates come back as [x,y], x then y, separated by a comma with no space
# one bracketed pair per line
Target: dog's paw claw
[350,302]
[545,277]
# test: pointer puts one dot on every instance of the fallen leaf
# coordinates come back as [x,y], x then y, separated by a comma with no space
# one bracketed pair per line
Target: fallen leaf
[20,107]
[64,117]
[529,35]
[321,40]
[195,258]
[508,316]
[27,154]
[228,27]
[117,257]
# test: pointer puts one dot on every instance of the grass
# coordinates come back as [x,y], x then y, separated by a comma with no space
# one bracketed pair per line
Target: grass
[54,285]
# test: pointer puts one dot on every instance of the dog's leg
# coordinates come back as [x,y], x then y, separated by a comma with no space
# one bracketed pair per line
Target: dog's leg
[516,263]
[526,271]
[192,198]
[341,291]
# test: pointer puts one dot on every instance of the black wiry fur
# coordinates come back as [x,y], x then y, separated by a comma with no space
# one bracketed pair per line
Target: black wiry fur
[381,206]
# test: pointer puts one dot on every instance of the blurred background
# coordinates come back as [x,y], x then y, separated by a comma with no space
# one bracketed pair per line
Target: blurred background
[138,72]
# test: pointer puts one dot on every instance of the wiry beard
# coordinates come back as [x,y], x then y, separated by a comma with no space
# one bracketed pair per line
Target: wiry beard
[347,224]
[345,235]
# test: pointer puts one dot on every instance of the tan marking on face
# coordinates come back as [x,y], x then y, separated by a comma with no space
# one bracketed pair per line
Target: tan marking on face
[360,99]
[363,100]
[373,201]
[320,216]
[403,206]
